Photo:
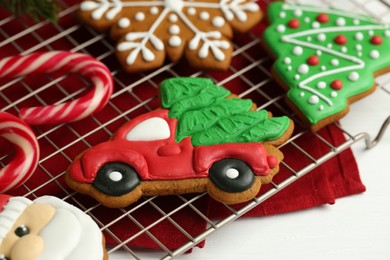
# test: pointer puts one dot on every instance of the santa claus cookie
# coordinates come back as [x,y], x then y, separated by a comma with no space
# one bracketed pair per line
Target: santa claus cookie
[47,228]
[325,58]
[149,31]
[202,139]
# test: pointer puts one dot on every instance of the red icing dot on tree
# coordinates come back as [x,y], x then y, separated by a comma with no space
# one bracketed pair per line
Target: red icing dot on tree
[293,23]
[340,39]
[313,60]
[323,18]
[336,84]
[376,39]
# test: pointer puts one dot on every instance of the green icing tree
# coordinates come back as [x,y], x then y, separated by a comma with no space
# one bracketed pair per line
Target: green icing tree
[207,114]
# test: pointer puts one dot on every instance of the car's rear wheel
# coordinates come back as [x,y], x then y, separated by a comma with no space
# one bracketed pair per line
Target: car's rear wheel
[231,175]
[116,179]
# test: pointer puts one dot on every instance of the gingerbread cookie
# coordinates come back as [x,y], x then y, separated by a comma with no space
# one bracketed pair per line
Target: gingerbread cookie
[47,228]
[202,139]
[325,58]
[149,31]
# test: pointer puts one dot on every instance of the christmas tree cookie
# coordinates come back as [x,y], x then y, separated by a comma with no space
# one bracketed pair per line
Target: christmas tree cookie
[202,138]
[325,58]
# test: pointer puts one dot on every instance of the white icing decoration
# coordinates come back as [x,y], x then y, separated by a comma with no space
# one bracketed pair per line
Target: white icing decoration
[115,176]
[280,28]
[371,32]
[356,22]
[374,54]
[316,25]
[282,14]
[309,38]
[323,68]
[297,50]
[335,62]
[333,94]
[289,67]
[353,76]
[321,107]
[232,173]
[302,94]
[321,85]
[359,47]
[303,69]
[151,129]
[297,77]
[191,11]
[298,12]
[174,5]
[124,22]
[321,37]
[329,45]
[344,49]
[287,60]
[359,36]
[218,21]
[314,99]
[174,41]
[153,10]
[319,52]
[360,54]
[174,29]
[139,16]
[387,33]
[173,18]
[307,20]
[340,21]
[204,15]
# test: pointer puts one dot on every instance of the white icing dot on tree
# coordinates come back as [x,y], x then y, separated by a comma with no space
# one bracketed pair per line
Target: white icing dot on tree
[329,45]
[174,29]
[287,60]
[218,21]
[353,76]
[153,10]
[359,47]
[303,68]
[333,94]
[334,62]
[298,12]
[282,14]
[309,38]
[316,25]
[356,21]
[323,68]
[344,49]
[289,68]
[174,41]
[319,52]
[139,16]
[374,54]
[321,107]
[297,50]
[297,77]
[340,21]
[321,85]
[173,18]
[204,15]
[314,99]
[307,20]
[359,36]
[191,11]
[124,23]
[387,33]
[321,37]
[302,94]
[280,28]
[371,32]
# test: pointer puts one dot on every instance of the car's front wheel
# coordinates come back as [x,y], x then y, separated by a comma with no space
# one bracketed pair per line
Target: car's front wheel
[116,179]
[231,175]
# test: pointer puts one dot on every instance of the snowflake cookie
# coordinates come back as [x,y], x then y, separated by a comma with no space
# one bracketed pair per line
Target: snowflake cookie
[326,58]
[148,31]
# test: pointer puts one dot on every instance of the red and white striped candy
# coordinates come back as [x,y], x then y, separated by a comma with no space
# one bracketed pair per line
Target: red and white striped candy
[63,62]
[27,152]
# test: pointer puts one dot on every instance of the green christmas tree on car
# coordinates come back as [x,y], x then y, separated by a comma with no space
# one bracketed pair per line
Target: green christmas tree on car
[325,58]
[202,138]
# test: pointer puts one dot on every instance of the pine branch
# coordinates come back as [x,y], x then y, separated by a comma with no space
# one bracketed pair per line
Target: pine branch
[35,9]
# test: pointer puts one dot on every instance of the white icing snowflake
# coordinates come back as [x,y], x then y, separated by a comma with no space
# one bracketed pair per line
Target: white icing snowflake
[149,30]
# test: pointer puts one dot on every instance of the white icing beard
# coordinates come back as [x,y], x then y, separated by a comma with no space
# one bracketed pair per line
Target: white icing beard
[71,234]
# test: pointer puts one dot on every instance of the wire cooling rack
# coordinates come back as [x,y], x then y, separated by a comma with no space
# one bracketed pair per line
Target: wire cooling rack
[249,76]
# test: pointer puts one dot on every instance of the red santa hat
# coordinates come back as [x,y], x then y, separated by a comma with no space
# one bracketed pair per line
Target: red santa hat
[10,210]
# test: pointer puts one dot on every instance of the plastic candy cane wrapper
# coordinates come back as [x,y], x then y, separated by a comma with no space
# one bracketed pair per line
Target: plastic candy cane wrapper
[62,62]
[16,130]
[27,152]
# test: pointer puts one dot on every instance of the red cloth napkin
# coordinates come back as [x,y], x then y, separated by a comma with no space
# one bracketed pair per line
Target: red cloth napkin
[336,178]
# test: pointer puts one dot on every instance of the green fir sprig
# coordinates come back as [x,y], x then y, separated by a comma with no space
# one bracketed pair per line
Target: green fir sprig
[35,9]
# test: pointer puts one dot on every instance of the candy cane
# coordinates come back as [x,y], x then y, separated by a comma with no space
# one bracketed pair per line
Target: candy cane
[27,152]
[63,62]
